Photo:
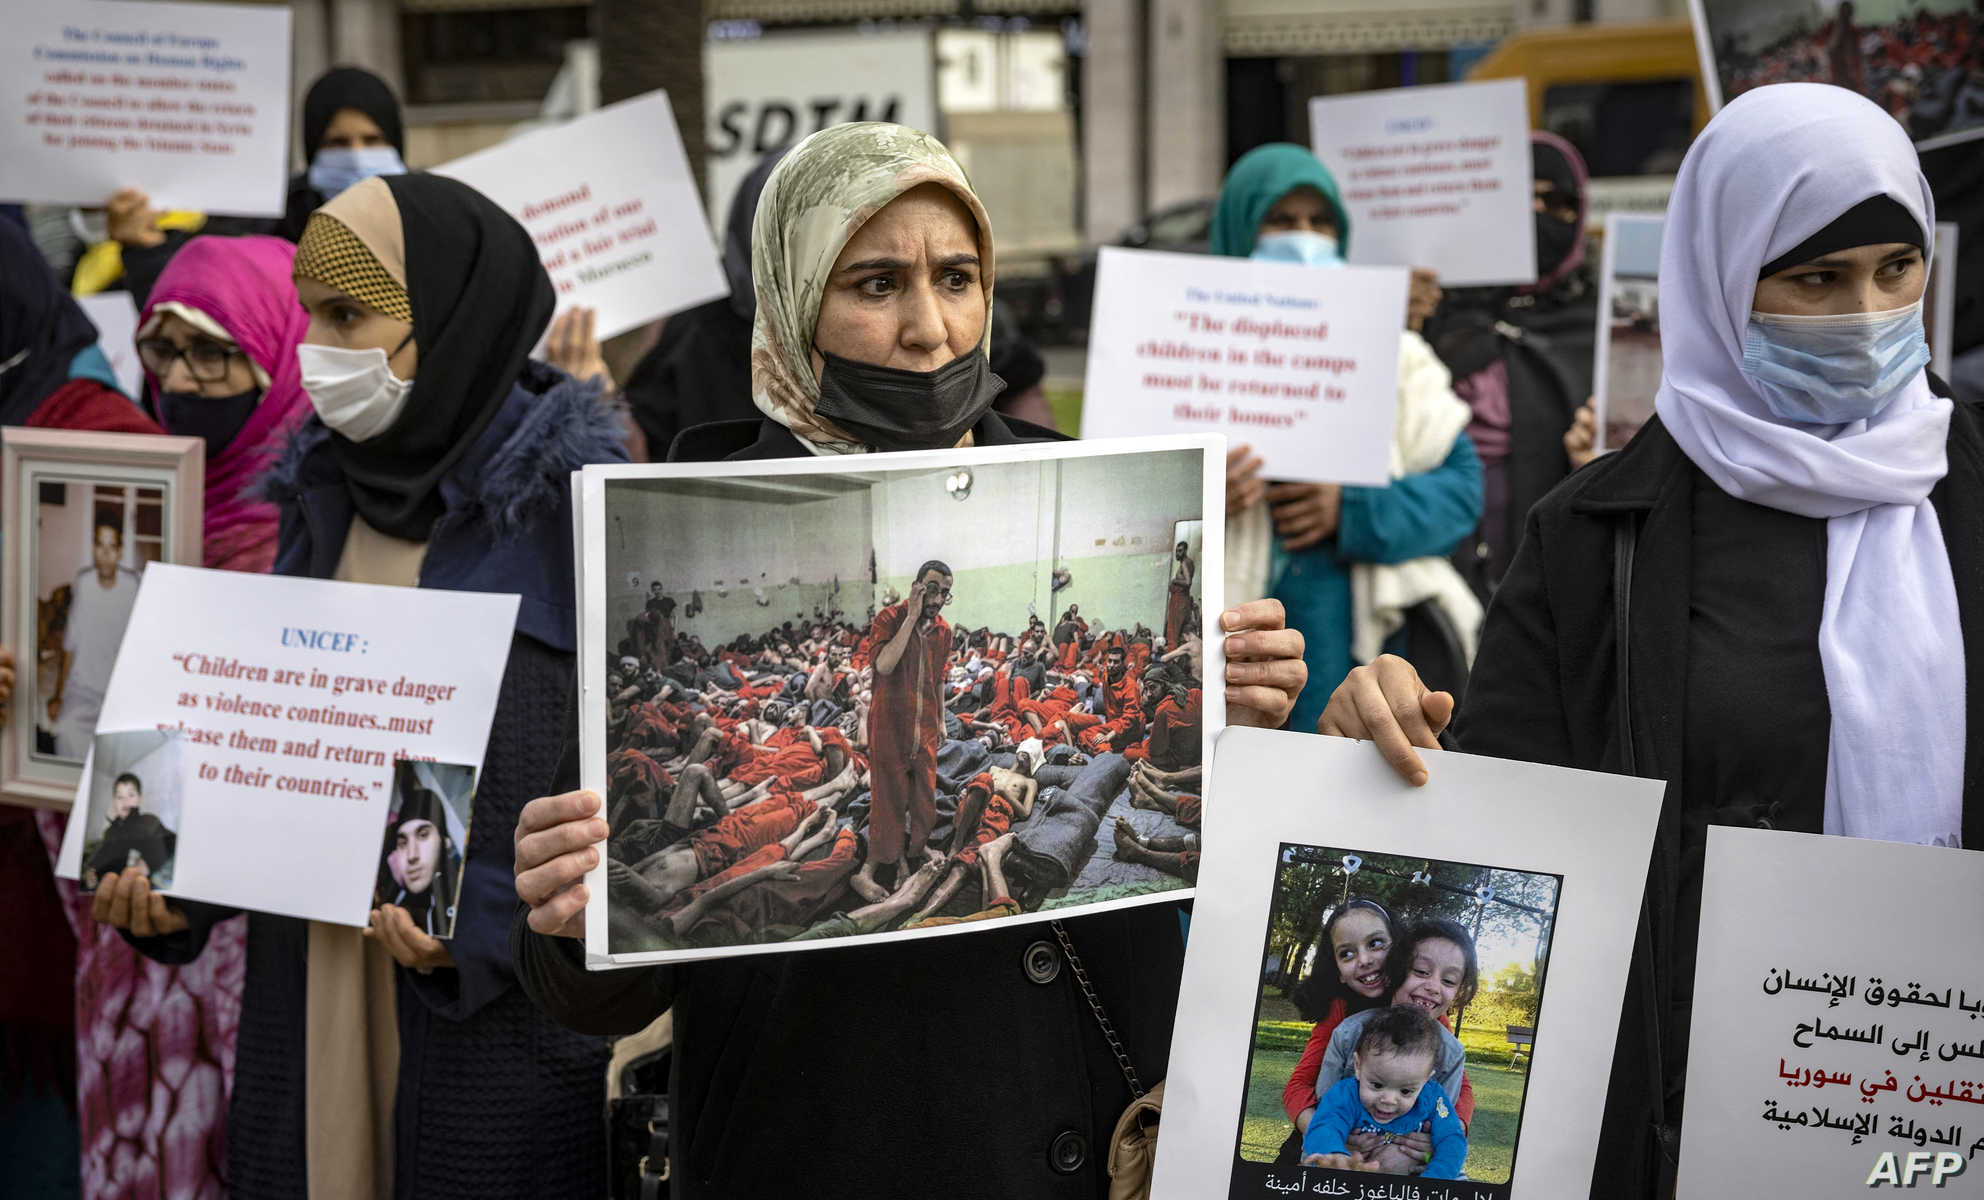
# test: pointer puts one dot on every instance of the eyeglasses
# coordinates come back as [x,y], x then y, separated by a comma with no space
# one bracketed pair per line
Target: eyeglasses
[206,359]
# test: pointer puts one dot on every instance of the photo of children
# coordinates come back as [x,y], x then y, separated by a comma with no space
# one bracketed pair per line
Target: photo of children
[852,702]
[1921,60]
[135,786]
[1629,363]
[420,865]
[92,543]
[1398,1006]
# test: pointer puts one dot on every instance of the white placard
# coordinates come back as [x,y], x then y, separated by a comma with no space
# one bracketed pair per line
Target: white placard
[737,550]
[1435,177]
[1480,832]
[296,696]
[611,204]
[116,319]
[189,102]
[763,94]
[1838,1032]
[1301,364]
[1627,362]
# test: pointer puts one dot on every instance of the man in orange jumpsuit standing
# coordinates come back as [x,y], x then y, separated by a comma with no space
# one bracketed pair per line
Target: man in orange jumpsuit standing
[912,649]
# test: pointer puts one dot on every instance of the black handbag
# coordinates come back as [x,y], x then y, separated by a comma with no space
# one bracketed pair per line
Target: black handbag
[637,1131]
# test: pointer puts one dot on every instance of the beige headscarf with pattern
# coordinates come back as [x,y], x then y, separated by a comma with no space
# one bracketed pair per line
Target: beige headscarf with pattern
[819,195]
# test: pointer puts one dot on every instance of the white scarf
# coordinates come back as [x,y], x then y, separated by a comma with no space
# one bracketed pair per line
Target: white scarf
[1775,167]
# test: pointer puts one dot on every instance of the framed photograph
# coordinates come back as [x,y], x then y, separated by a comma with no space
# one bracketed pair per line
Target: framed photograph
[1917,61]
[1627,363]
[1401,991]
[81,516]
[1939,299]
[843,700]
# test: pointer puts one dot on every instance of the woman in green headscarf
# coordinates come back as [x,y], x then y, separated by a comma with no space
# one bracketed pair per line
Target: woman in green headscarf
[1348,562]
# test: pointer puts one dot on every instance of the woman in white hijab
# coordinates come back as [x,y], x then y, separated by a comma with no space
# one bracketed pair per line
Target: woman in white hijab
[1766,598]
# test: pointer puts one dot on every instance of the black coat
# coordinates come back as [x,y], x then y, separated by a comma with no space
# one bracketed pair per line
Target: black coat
[1545,343]
[698,371]
[1546,688]
[937,1068]
[492,1099]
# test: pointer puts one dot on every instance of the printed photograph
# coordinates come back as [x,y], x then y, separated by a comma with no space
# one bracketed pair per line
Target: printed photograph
[420,865]
[136,781]
[1629,360]
[846,703]
[1398,1009]
[1921,60]
[92,543]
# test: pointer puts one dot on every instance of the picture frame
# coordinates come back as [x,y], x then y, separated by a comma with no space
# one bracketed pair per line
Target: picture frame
[1626,344]
[61,487]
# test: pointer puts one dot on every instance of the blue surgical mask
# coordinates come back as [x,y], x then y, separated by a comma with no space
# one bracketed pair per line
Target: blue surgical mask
[1834,370]
[1299,246]
[337,168]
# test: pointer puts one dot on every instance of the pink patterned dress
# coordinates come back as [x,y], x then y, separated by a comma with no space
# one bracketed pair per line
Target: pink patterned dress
[154,1057]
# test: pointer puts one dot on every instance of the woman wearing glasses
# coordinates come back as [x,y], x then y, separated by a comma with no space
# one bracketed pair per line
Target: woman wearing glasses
[218,342]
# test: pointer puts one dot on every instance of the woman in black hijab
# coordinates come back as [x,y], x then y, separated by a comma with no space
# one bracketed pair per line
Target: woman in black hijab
[1521,358]
[352,130]
[440,457]
[699,369]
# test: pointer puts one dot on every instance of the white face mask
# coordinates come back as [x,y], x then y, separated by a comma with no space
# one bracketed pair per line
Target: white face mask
[354,391]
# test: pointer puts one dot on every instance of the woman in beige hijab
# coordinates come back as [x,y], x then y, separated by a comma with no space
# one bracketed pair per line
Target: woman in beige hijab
[962,1067]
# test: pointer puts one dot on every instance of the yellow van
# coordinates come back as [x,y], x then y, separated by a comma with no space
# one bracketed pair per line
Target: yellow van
[1629,97]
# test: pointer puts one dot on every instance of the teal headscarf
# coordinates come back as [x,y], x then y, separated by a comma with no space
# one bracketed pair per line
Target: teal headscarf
[1262,176]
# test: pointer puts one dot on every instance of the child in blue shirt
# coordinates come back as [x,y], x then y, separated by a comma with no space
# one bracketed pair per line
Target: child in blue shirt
[1391,1090]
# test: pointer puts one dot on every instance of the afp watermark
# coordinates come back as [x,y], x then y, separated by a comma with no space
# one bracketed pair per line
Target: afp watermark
[1903,1170]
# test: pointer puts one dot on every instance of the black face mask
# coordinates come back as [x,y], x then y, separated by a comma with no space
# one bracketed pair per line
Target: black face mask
[1555,240]
[219,419]
[893,409]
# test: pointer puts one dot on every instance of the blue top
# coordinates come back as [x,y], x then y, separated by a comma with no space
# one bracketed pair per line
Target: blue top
[1417,516]
[1340,1113]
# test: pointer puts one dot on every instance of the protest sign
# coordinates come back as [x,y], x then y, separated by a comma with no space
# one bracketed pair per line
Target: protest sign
[764,94]
[189,102]
[1916,60]
[294,699]
[1299,363]
[1627,364]
[611,204]
[1838,1032]
[1532,874]
[1435,177]
[904,750]
[116,321]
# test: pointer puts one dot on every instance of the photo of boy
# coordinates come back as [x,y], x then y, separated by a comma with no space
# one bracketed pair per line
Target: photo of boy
[1391,1092]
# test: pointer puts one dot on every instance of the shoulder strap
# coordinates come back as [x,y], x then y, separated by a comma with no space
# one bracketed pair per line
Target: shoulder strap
[1102,1021]
[1625,537]
[1624,534]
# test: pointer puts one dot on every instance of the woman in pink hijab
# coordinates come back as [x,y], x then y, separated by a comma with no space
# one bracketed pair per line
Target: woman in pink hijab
[155,1044]
[218,340]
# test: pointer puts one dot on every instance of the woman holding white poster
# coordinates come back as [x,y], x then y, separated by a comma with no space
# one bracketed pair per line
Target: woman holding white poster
[1348,562]
[967,1066]
[439,458]
[1767,597]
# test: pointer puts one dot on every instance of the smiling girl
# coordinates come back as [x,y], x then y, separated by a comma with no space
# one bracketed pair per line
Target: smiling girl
[1359,935]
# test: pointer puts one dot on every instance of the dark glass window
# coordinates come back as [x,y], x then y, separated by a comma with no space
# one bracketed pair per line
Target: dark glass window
[1639,128]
